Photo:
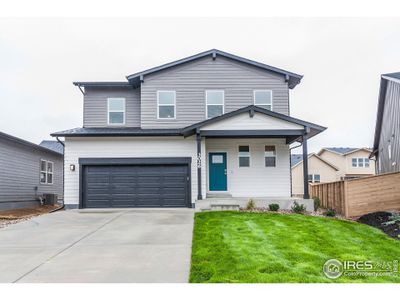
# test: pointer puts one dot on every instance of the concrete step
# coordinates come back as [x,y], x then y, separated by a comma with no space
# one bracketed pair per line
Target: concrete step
[219,207]
[219,195]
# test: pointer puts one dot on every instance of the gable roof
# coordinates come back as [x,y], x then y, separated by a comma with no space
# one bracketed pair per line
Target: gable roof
[53,145]
[25,143]
[342,150]
[314,128]
[381,105]
[292,78]
[296,159]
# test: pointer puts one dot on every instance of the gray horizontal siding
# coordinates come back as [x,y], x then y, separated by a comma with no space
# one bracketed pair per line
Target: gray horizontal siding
[19,174]
[95,105]
[390,132]
[190,81]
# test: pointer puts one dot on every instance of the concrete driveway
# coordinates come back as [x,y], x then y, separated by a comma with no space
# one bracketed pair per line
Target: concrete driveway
[133,245]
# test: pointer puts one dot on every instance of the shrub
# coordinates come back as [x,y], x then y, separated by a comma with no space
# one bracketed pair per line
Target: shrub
[298,208]
[330,213]
[273,207]
[317,203]
[251,204]
[393,219]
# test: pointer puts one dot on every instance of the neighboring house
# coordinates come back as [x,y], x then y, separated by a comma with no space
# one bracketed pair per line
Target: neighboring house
[213,124]
[351,162]
[319,170]
[387,131]
[28,171]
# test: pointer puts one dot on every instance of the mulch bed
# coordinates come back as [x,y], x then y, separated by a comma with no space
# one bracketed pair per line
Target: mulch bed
[377,219]
[8,217]
[321,212]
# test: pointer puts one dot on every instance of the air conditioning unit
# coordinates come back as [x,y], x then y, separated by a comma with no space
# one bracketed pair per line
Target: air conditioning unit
[50,199]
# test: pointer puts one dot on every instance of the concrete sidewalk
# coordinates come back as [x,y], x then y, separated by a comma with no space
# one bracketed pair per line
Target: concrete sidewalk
[132,245]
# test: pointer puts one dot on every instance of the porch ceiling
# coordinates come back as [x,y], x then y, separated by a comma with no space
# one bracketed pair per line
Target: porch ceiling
[289,134]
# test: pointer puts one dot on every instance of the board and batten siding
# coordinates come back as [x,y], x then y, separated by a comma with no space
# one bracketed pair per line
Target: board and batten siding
[95,106]
[124,147]
[191,80]
[256,180]
[19,175]
[390,132]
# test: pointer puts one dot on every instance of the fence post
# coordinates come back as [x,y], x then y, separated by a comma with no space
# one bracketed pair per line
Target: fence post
[345,199]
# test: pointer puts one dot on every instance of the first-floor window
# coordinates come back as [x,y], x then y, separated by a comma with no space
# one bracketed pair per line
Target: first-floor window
[244,156]
[314,178]
[46,172]
[270,156]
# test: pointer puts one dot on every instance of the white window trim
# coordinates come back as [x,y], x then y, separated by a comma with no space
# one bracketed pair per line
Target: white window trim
[158,104]
[356,166]
[46,172]
[313,178]
[239,156]
[363,164]
[265,155]
[272,98]
[114,110]
[223,101]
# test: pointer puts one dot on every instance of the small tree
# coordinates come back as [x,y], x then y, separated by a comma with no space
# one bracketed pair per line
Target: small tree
[317,203]
[298,208]
[251,204]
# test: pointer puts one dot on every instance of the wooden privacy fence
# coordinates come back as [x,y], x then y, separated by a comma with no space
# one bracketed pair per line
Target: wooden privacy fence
[356,197]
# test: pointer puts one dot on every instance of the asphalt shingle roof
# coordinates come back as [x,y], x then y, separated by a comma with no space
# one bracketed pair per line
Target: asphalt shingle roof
[341,150]
[53,145]
[296,158]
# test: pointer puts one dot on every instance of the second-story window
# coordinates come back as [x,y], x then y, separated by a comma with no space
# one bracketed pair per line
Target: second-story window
[166,104]
[116,111]
[360,162]
[263,98]
[215,103]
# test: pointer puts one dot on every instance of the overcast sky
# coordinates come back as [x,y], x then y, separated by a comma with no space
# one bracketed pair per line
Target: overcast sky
[341,60]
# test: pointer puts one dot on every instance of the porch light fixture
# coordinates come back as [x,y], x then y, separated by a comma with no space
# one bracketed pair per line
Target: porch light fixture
[72,167]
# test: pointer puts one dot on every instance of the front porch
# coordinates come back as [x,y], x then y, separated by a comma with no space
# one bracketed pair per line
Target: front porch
[246,154]
[234,203]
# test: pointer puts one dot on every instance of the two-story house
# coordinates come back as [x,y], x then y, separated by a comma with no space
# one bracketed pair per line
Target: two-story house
[207,125]
[351,162]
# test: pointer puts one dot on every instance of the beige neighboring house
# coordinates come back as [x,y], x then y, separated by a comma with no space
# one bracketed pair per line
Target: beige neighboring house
[352,162]
[319,170]
[331,164]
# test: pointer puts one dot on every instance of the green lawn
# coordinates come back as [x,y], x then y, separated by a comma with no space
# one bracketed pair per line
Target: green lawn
[251,247]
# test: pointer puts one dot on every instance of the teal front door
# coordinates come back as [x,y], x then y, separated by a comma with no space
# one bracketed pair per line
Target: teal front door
[217,169]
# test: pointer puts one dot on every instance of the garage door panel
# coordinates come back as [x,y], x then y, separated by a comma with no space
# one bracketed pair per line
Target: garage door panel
[136,186]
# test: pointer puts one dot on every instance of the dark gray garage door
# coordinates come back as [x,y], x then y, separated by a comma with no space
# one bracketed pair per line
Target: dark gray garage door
[135,186]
